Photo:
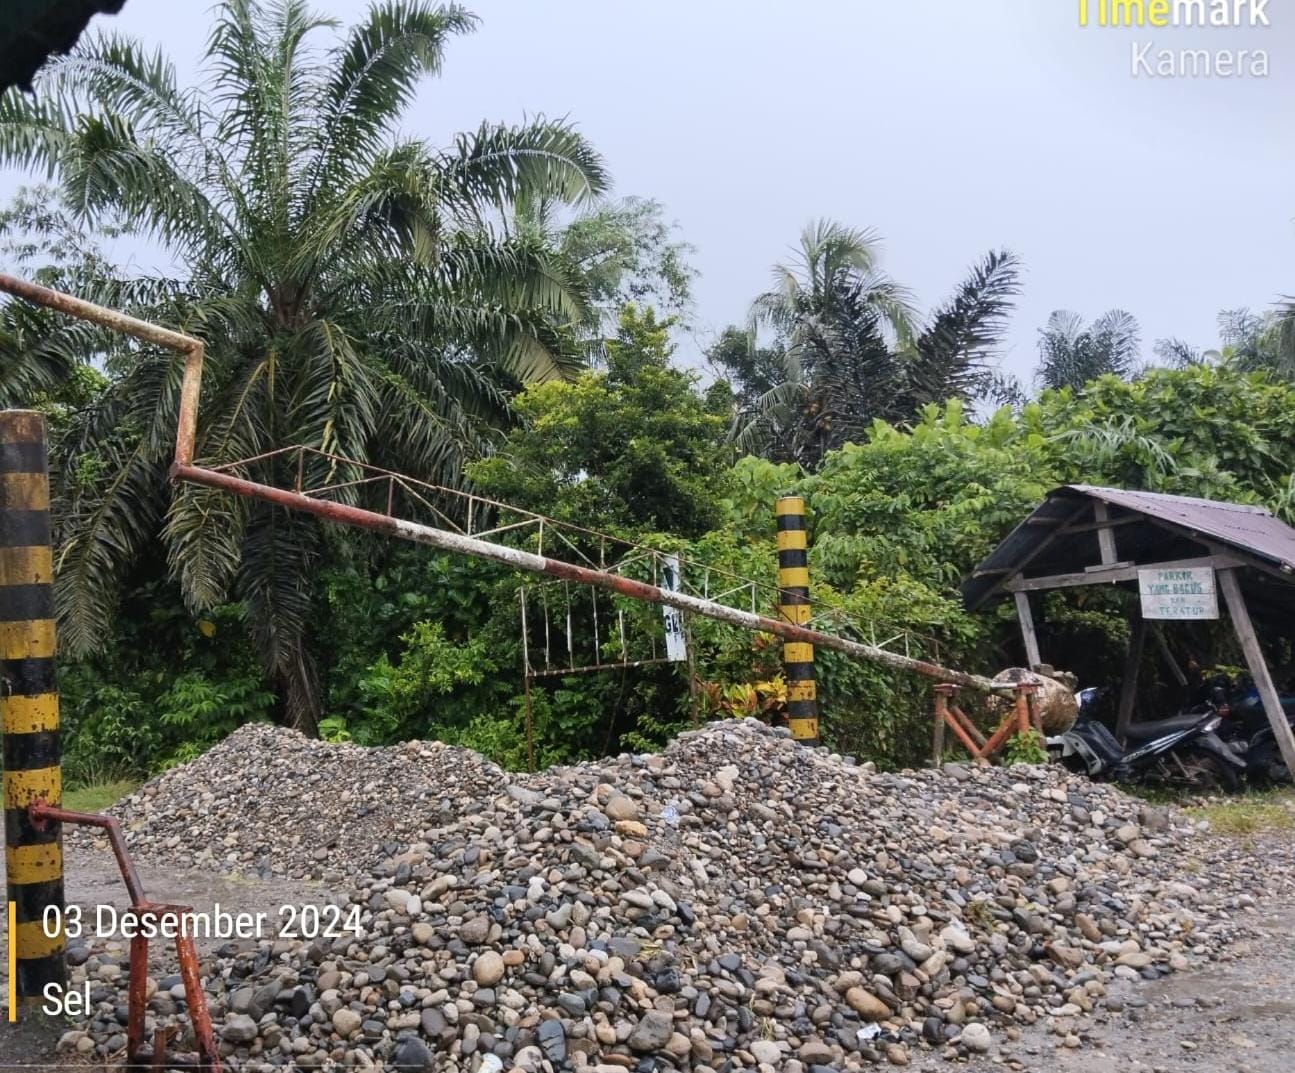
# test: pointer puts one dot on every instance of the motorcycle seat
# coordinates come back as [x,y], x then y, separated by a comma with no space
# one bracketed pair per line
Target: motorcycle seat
[1158,728]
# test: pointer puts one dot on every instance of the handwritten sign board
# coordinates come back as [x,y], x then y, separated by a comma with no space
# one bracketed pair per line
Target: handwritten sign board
[1178,593]
[676,643]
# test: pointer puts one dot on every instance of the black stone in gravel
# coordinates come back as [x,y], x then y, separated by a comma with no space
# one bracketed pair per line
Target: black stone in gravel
[667,982]
[573,1003]
[552,1039]
[413,1056]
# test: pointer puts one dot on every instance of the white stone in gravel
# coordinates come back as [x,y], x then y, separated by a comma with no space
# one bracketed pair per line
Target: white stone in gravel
[345,1022]
[976,1038]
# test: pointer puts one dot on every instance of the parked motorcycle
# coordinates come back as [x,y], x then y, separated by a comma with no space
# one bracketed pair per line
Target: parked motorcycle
[1246,726]
[1183,750]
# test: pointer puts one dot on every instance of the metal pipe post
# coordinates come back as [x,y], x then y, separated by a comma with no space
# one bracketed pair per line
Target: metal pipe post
[793,607]
[29,705]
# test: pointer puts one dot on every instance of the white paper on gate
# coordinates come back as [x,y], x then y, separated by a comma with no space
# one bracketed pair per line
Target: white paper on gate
[676,645]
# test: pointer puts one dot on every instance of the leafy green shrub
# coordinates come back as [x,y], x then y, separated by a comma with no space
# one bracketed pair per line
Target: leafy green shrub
[1026,747]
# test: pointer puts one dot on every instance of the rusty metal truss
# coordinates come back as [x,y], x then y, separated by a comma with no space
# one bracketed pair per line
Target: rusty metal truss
[463,523]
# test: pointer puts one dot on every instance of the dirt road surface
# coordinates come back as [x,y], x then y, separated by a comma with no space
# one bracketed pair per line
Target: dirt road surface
[93,879]
[1234,1016]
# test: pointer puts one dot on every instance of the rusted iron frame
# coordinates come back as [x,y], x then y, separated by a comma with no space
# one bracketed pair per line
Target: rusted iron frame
[138,1056]
[599,579]
[638,552]
[183,469]
[1023,716]
[191,384]
[590,668]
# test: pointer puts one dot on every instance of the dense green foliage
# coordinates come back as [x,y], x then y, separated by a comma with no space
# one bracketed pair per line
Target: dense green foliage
[430,645]
[630,449]
[354,292]
[481,317]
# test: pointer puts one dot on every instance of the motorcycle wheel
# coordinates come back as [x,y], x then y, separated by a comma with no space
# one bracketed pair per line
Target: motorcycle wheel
[1266,762]
[1202,772]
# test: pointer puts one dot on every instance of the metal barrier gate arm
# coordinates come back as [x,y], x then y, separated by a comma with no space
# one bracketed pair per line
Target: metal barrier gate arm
[183,469]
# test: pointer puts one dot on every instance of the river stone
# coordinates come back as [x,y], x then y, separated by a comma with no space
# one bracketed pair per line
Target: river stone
[239,1029]
[488,969]
[976,1038]
[652,1032]
[346,1021]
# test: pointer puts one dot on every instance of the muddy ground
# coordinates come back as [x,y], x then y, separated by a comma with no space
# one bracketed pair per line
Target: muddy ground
[1234,1016]
[93,879]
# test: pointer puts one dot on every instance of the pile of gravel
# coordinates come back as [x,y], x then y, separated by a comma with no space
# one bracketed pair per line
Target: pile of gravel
[272,802]
[738,902]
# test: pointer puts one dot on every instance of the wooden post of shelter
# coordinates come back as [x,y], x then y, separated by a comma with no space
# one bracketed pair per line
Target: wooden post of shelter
[1245,632]
[1129,683]
[1028,633]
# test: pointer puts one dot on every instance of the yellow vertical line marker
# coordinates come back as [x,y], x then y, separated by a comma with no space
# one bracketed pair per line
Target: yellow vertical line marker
[12,938]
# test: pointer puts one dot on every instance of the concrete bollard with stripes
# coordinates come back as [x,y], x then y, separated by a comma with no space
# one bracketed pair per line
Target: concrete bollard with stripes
[29,706]
[793,606]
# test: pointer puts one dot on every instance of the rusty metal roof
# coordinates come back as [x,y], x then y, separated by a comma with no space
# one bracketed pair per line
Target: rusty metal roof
[1153,527]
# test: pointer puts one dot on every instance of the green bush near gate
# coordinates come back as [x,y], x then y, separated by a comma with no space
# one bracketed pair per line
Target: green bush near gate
[417,644]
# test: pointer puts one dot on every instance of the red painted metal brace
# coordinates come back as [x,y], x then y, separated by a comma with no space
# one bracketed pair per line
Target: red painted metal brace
[141,1058]
[1023,716]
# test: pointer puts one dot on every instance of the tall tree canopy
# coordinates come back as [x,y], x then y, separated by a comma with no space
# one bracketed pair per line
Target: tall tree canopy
[849,348]
[1070,354]
[358,290]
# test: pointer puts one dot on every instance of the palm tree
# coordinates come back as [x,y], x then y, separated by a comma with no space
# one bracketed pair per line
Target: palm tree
[952,357]
[851,349]
[357,291]
[1070,355]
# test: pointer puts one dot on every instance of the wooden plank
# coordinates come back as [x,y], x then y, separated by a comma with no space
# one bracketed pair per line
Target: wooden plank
[1031,638]
[1110,523]
[1167,656]
[1105,535]
[1109,575]
[1037,549]
[1129,683]
[1245,630]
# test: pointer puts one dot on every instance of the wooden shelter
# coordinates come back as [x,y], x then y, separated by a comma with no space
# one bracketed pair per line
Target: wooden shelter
[1086,535]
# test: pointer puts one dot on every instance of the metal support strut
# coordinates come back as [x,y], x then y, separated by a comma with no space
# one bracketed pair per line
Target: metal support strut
[184,469]
[141,1057]
[1023,716]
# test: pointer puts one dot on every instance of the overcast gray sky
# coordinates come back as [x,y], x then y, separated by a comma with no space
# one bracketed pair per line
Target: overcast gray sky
[950,126]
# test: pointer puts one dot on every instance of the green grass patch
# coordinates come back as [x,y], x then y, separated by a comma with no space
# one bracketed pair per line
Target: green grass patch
[99,796]
[1253,814]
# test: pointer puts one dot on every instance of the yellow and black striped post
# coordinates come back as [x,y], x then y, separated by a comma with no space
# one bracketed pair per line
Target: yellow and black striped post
[793,606]
[29,704]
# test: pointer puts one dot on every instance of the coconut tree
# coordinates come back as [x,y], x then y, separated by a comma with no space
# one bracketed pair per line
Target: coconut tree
[850,348]
[1070,354]
[833,314]
[356,289]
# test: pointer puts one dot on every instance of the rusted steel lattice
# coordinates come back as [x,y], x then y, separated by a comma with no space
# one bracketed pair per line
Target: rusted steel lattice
[451,539]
